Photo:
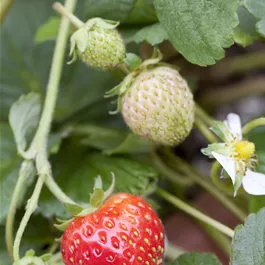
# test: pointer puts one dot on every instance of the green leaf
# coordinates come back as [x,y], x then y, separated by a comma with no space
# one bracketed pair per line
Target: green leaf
[97,197]
[63,225]
[260,26]
[129,11]
[24,118]
[27,169]
[9,168]
[76,169]
[153,34]
[257,8]
[25,68]
[248,246]
[196,258]
[245,32]
[110,140]
[99,137]
[74,209]
[48,31]
[132,61]
[130,145]
[199,30]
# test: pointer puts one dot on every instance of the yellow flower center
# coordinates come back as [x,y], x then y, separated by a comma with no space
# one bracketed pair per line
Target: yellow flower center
[245,150]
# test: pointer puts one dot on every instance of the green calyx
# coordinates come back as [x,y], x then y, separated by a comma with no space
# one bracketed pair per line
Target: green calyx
[98,44]
[79,39]
[31,259]
[134,63]
[97,198]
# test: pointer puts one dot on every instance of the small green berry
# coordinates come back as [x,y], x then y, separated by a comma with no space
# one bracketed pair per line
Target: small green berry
[98,44]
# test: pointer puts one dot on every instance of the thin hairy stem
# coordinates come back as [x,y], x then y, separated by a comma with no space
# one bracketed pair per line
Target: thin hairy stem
[253,124]
[180,165]
[209,136]
[40,142]
[194,212]
[24,173]
[64,12]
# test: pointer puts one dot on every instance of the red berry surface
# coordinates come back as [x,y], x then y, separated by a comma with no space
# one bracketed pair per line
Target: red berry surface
[124,231]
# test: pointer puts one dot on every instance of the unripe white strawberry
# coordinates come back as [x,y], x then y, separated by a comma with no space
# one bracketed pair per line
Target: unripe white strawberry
[98,44]
[159,106]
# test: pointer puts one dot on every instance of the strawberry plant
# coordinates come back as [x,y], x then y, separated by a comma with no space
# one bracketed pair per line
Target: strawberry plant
[132,132]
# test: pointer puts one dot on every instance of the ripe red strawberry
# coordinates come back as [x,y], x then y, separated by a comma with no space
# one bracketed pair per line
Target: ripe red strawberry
[124,231]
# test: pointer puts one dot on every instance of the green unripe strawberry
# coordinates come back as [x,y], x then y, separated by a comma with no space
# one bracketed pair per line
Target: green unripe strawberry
[98,44]
[159,106]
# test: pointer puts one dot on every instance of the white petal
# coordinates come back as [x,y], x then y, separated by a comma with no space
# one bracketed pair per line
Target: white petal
[254,183]
[233,123]
[228,164]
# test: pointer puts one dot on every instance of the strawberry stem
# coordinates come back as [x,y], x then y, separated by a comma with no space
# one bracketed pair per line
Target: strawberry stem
[56,190]
[38,147]
[180,165]
[194,212]
[64,12]
[253,124]
[205,131]
[24,174]
[200,112]
[219,238]
[30,208]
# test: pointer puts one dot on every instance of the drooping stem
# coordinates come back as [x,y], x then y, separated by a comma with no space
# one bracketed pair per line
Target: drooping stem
[24,174]
[204,116]
[39,144]
[56,190]
[210,137]
[170,174]
[219,238]
[41,137]
[253,124]
[180,165]
[30,209]
[64,12]
[194,212]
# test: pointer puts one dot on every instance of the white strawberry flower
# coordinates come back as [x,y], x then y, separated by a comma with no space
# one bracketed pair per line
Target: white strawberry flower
[236,156]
